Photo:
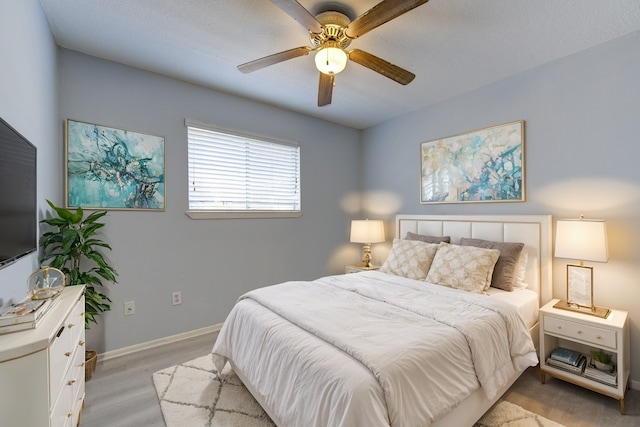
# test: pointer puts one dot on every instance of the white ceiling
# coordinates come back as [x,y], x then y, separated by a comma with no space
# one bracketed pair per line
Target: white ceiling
[453,46]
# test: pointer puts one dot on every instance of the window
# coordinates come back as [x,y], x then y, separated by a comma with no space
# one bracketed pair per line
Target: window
[238,175]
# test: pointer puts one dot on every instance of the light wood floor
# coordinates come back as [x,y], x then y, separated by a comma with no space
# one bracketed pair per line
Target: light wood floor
[121,394]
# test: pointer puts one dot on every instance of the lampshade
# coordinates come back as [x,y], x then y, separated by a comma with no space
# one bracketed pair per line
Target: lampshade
[366,231]
[331,60]
[582,239]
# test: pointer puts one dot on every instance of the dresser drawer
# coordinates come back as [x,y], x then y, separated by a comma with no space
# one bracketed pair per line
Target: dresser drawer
[75,323]
[589,334]
[61,353]
[66,346]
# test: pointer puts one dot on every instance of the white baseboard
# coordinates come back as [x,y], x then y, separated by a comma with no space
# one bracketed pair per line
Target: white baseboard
[160,341]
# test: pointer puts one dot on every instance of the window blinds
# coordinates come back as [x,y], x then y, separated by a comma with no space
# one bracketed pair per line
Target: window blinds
[229,171]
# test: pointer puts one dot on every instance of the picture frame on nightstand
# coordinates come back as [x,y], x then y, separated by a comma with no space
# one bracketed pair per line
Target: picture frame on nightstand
[580,292]
[580,285]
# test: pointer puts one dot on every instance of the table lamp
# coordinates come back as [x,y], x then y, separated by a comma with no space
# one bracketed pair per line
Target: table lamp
[584,240]
[367,232]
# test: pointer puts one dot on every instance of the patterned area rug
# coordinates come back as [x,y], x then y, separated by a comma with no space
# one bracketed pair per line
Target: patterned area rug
[190,395]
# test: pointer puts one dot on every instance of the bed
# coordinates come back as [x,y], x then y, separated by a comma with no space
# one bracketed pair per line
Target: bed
[414,354]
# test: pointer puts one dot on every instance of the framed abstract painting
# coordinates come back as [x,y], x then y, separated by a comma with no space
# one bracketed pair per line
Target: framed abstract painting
[485,165]
[109,168]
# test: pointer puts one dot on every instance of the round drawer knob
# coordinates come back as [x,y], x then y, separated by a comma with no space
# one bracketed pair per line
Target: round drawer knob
[67,354]
[598,337]
[559,327]
[579,332]
[71,382]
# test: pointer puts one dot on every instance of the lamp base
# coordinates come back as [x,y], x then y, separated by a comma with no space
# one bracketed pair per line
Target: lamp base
[366,255]
[592,311]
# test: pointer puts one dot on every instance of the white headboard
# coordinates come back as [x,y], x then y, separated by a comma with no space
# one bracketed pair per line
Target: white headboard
[532,230]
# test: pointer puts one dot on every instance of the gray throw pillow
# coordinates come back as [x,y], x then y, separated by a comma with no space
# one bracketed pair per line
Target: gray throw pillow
[427,239]
[504,273]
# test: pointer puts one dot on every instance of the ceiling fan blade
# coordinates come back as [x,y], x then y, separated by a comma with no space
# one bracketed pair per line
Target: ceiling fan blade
[381,66]
[325,89]
[250,67]
[300,14]
[383,12]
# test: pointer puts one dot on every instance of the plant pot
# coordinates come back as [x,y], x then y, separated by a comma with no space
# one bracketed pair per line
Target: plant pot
[607,367]
[90,359]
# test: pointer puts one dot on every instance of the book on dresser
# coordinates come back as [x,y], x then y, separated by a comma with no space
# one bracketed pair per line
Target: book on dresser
[25,315]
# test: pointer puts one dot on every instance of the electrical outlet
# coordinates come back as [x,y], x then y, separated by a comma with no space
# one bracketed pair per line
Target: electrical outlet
[129,308]
[176,298]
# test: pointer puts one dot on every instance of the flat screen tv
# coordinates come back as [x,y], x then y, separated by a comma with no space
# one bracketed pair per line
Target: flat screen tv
[18,197]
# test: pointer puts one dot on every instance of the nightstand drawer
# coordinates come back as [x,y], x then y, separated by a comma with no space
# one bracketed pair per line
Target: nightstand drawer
[596,336]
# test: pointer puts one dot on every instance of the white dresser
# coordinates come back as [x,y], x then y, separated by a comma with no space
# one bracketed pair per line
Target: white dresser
[42,369]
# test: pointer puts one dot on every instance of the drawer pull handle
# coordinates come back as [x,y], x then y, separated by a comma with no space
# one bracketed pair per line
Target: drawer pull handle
[598,337]
[71,382]
[559,327]
[68,353]
[579,332]
[69,415]
[71,325]
[81,342]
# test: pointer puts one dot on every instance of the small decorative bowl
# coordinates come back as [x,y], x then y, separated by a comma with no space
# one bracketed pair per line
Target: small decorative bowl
[607,367]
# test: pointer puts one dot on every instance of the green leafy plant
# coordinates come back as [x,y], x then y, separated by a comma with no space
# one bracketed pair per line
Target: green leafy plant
[601,356]
[75,248]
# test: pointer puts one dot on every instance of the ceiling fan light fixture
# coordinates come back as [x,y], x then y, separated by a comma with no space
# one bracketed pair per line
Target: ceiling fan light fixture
[331,60]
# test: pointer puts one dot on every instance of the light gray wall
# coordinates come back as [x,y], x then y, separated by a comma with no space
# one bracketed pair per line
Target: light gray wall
[28,102]
[211,262]
[582,118]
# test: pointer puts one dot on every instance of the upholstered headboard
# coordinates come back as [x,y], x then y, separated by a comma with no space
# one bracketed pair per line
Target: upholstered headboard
[532,230]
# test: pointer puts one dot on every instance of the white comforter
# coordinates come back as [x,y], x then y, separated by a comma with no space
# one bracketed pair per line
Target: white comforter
[370,349]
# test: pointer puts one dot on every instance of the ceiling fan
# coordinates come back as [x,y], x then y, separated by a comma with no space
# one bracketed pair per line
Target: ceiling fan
[331,32]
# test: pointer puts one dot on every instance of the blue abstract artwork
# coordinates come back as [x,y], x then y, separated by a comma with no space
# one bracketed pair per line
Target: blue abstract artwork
[108,168]
[485,165]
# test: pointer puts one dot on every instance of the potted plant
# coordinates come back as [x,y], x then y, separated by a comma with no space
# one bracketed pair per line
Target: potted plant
[602,360]
[75,248]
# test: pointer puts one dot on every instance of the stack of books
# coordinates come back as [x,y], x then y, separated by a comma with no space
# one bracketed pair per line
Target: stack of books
[605,377]
[25,315]
[568,360]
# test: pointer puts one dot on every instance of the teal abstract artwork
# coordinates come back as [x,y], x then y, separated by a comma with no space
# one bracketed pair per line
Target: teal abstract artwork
[485,165]
[108,168]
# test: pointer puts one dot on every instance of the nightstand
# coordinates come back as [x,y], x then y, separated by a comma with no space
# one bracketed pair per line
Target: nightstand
[358,268]
[584,333]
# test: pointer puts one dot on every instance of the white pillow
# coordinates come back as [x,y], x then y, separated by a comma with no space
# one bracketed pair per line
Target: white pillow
[468,268]
[521,270]
[409,258]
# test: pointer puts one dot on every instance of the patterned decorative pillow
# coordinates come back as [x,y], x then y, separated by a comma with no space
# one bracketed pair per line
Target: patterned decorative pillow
[468,268]
[504,273]
[427,239]
[409,258]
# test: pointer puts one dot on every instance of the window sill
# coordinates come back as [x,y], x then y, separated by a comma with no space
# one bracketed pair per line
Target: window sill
[242,214]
